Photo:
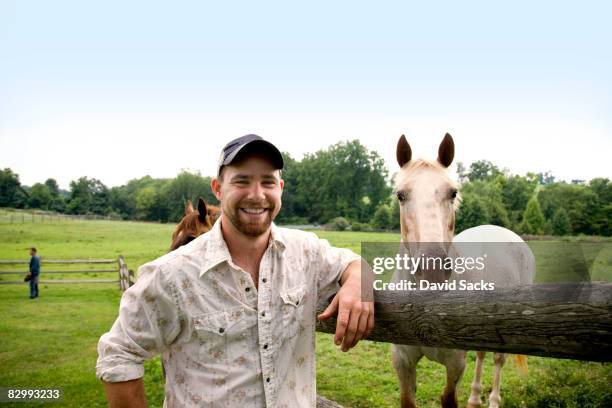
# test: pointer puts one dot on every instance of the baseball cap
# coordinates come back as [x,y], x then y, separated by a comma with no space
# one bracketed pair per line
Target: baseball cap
[237,148]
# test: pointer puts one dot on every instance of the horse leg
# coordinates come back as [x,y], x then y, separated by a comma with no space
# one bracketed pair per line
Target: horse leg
[455,367]
[405,359]
[474,401]
[494,397]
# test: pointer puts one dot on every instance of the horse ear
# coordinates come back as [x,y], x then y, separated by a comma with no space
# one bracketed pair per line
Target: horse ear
[202,209]
[446,151]
[403,152]
[188,207]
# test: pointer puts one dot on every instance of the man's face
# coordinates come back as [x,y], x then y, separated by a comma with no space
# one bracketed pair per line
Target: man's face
[32,253]
[250,194]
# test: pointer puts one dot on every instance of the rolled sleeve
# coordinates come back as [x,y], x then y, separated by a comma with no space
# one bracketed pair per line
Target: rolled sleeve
[331,262]
[148,322]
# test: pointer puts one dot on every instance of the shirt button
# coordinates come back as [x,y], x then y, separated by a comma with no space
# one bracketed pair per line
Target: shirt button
[221,330]
[264,280]
[265,346]
[263,314]
[268,379]
[247,289]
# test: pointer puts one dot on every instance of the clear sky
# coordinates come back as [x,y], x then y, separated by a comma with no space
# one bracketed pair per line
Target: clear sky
[119,89]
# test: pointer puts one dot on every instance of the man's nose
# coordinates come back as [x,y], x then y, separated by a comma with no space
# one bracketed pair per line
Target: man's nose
[256,192]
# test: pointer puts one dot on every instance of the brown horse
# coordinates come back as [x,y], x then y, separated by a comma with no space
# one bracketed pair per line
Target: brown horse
[194,223]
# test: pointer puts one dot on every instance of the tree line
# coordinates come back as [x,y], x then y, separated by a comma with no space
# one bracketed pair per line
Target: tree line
[345,186]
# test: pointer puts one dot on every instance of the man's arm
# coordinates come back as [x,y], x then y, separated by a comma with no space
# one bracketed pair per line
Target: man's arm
[136,336]
[355,317]
[127,394]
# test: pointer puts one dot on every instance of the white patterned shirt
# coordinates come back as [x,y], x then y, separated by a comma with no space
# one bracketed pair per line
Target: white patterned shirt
[225,343]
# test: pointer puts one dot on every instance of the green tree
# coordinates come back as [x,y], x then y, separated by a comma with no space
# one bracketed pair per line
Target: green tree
[11,192]
[345,179]
[483,170]
[58,203]
[185,186]
[515,193]
[561,223]
[40,197]
[601,221]
[490,194]
[52,186]
[580,202]
[471,213]
[88,196]
[146,203]
[533,219]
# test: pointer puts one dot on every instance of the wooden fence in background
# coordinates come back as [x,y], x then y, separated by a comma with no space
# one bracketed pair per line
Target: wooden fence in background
[125,276]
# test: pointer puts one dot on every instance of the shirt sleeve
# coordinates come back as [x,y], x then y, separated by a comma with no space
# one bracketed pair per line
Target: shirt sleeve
[148,322]
[330,264]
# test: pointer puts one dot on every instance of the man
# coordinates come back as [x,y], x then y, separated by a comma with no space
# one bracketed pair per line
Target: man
[34,273]
[233,312]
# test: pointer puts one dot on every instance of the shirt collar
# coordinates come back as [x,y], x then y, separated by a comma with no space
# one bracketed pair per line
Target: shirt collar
[216,251]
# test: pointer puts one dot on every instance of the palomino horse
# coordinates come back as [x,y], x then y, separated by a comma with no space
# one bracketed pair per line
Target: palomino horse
[194,223]
[428,200]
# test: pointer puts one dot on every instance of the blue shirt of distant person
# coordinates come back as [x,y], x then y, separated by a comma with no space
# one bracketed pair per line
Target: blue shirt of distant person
[34,272]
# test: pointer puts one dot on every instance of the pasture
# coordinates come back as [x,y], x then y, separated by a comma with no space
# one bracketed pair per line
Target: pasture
[50,342]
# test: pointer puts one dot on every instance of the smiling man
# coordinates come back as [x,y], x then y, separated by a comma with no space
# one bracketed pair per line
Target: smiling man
[233,312]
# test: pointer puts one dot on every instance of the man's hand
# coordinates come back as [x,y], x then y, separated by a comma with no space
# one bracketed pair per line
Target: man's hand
[355,318]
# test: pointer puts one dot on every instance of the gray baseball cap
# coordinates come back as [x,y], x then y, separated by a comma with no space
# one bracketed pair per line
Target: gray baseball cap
[243,145]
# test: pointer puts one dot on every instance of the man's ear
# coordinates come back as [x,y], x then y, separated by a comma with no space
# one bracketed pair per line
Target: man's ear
[215,186]
[282,184]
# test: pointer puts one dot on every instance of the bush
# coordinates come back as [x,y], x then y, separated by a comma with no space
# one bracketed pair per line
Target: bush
[338,224]
[356,226]
[382,218]
[360,226]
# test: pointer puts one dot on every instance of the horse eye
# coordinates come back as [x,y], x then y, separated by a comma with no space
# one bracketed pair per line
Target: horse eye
[401,196]
[453,194]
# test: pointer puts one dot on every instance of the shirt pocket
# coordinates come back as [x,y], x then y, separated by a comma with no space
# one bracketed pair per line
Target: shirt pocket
[215,333]
[292,306]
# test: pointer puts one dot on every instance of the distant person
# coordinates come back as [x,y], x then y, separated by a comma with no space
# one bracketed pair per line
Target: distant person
[34,273]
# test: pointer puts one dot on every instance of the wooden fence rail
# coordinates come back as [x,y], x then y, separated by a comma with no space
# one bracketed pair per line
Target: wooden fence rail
[552,320]
[125,275]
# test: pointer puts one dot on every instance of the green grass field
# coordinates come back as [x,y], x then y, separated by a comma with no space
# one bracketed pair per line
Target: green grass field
[51,342]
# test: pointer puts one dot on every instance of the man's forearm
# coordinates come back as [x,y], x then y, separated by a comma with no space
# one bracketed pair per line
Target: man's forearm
[126,394]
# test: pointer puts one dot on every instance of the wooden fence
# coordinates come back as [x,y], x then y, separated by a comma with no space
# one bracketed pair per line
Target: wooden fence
[40,216]
[552,320]
[125,276]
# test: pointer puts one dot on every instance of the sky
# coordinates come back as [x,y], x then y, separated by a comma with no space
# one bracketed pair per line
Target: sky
[120,90]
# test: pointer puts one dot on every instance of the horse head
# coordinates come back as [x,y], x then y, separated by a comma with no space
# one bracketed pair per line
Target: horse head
[428,198]
[195,223]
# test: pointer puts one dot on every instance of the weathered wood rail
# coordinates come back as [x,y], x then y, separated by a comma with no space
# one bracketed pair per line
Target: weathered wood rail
[125,275]
[571,321]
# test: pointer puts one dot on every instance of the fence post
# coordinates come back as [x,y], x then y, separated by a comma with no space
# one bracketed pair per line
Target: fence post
[125,275]
[122,273]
